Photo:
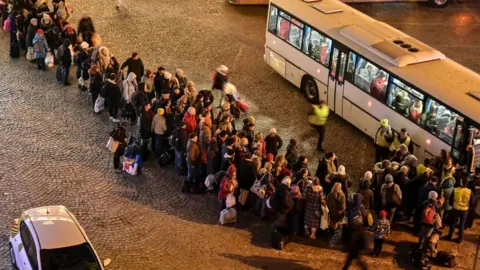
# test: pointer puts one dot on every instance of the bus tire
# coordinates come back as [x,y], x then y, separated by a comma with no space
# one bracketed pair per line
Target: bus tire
[310,89]
[438,3]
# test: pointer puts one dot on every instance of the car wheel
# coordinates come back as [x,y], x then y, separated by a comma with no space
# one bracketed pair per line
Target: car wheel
[12,256]
[438,3]
[310,89]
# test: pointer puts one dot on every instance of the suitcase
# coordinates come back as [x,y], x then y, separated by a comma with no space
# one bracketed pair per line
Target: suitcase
[166,158]
[279,239]
[59,74]
[420,260]
[446,259]
[14,49]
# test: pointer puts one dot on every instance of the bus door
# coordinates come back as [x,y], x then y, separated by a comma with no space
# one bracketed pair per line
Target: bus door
[336,78]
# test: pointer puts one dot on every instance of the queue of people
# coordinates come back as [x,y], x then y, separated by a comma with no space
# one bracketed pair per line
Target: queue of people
[241,165]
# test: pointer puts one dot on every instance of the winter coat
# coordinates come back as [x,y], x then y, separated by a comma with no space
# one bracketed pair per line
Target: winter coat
[368,197]
[226,187]
[159,124]
[313,197]
[193,153]
[85,26]
[213,156]
[81,57]
[323,172]
[267,180]
[245,175]
[96,84]
[191,122]
[292,154]
[273,144]
[381,229]
[40,46]
[120,135]
[129,87]
[135,66]
[422,194]
[219,81]
[447,190]
[383,192]
[284,200]
[204,135]
[342,179]
[182,139]
[146,118]
[113,93]
[337,205]
[31,32]
[66,56]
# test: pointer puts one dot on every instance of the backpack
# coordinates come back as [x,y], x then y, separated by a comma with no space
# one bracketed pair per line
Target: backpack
[356,217]
[392,198]
[217,179]
[59,53]
[428,215]
[7,25]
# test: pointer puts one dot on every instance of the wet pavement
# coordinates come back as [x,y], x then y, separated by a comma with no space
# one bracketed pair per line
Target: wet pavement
[53,146]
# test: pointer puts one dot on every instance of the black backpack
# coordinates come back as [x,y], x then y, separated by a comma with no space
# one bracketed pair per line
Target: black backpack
[217,179]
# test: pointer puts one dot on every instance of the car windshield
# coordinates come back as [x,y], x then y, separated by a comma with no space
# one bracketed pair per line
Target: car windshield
[79,257]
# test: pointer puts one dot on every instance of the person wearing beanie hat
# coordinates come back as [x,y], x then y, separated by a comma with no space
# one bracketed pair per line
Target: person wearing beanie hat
[391,196]
[380,231]
[190,119]
[343,178]
[368,175]
[318,120]
[219,78]
[273,143]
[159,128]
[383,140]
[368,195]
[292,152]
[227,186]
[40,46]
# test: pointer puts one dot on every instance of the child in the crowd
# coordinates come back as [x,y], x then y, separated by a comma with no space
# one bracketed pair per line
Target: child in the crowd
[380,231]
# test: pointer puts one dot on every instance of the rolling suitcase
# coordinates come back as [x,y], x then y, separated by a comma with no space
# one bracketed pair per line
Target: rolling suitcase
[446,259]
[14,49]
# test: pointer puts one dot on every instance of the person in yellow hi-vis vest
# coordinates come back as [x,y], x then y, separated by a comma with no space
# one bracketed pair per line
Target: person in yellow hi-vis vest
[319,120]
[383,140]
[402,138]
[462,200]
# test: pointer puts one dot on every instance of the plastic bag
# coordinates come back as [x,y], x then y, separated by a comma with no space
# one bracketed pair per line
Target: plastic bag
[49,59]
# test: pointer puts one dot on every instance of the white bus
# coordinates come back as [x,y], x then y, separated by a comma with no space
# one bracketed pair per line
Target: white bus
[434,3]
[366,70]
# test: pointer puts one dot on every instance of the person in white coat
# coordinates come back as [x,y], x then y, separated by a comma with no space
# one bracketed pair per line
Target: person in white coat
[129,87]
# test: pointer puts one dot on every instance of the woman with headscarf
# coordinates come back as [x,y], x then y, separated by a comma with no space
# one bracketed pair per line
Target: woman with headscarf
[327,167]
[313,207]
[148,80]
[342,177]
[191,92]
[129,87]
[227,186]
[273,142]
[283,202]
[182,80]
[367,193]
[190,119]
[337,204]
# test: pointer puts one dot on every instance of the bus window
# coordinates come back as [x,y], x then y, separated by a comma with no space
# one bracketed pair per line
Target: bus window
[272,24]
[283,26]
[341,68]
[295,34]
[352,59]
[333,68]
[371,79]
[317,46]
[405,100]
[439,120]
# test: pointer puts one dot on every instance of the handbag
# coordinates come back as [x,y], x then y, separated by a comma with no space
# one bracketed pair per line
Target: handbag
[230,201]
[228,215]
[99,104]
[112,145]
[49,59]
[258,189]
[30,54]
[209,182]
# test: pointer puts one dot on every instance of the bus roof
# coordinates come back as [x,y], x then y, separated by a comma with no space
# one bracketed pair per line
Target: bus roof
[427,69]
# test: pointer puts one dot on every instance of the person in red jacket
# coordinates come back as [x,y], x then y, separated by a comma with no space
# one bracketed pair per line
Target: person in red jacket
[190,120]
[227,186]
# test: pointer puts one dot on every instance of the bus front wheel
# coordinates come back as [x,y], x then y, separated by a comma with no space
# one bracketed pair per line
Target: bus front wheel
[438,3]
[310,89]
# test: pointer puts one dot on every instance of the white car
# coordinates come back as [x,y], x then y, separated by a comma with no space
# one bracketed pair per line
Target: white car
[50,237]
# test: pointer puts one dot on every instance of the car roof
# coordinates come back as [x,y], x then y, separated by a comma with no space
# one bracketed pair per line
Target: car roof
[55,227]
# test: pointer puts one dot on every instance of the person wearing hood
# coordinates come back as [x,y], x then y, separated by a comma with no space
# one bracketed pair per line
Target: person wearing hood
[113,97]
[367,193]
[191,120]
[129,87]
[227,186]
[134,64]
[391,196]
[96,83]
[292,152]
[383,139]
[337,204]
[159,129]
[342,177]
[40,47]
[327,166]
[86,29]
[219,79]
[446,189]
[31,32]
[46,23]
[283,202]
[273,142]
[313,207]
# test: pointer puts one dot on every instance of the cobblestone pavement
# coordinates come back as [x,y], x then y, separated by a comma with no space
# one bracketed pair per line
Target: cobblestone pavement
[53,145]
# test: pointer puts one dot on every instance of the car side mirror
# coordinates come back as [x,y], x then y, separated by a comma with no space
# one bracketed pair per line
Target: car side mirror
[106,262]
